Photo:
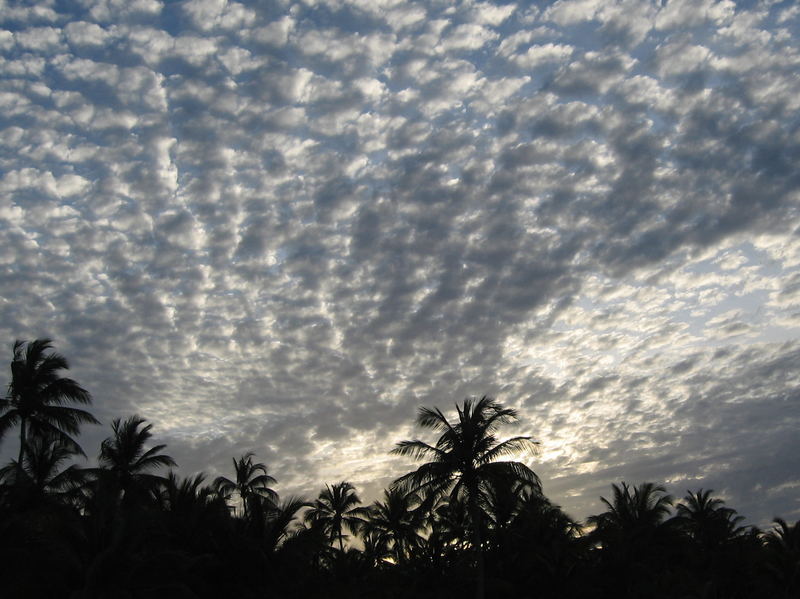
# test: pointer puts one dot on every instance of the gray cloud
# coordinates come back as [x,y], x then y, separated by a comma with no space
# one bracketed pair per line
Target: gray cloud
[281,228]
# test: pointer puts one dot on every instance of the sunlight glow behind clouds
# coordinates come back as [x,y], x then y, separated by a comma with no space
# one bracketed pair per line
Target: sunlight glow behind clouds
[281,227]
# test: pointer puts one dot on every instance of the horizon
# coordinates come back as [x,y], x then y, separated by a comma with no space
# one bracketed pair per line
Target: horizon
[282,227]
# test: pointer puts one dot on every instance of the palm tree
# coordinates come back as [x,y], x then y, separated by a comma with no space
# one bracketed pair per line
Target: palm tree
[123,455]
[634,534]
[251,484]
[191,511]
[37,395]
[707,520]
[526,528]
[176,495]
[783,556]
[464,460]
[278,526]
[633,515]
[335,509]
[40,475]
[396,521]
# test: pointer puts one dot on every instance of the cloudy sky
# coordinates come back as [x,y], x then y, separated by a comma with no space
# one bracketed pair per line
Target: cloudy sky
[281,227]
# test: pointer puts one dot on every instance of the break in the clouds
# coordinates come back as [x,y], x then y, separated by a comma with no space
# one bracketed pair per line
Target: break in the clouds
[281,227]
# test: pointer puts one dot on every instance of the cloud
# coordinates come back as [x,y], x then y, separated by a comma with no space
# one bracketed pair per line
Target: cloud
[282,228]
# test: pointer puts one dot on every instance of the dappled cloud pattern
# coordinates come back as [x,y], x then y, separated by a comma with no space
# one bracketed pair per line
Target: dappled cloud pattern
[280,227]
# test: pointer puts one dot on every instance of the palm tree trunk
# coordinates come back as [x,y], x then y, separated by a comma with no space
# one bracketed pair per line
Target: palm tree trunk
[475,515]
[23,441]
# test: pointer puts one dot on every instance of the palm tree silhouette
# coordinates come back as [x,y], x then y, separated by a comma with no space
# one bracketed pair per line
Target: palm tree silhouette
[396,522]
[783,556]
[40,476]
[644,508]
[37,395]
[633,534]
[251,484]
[707,520]
[278,526]
[335,509]
[464,460]
[124,457]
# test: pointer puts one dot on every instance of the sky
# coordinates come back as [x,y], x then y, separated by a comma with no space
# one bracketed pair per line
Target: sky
[282,227]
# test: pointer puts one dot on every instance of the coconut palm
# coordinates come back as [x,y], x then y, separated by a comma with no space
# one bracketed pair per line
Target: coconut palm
[643,509]
[707,520]
[396,521]
[123,456]
[279,523]
[336,509]
[38,396]
[635,536]
[40,475]
[783,556]
[191,511]
[252,484]
[182,495]
[464,460]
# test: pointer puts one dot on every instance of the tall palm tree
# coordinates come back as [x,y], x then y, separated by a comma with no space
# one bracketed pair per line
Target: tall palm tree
[38,394]
[252,484]
[336,509]
[464,460]
[124,457]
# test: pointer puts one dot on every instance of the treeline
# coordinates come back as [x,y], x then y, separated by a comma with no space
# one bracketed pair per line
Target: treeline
[467,522]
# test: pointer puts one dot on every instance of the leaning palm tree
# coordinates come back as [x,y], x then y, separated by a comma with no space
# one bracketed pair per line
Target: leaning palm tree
[336,509]
[464,461]
[123,456]
[252,484]
[38,396]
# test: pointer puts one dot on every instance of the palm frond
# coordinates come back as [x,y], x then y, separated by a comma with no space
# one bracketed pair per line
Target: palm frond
[432,418]
[416,449]
[153,459]
[509,447]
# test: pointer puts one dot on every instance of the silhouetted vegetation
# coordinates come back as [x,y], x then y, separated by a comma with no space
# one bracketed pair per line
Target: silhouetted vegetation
[465,522]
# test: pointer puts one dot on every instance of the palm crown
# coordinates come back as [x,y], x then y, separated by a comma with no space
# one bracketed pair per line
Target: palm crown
[38,396]
[41,472]
[252,483]
[396,522]
[465,458]
[125,456]
[336,509]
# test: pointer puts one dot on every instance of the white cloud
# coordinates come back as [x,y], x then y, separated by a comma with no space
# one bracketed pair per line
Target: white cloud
[81,33]
[566,12]
[492,14]
[469,36]
[333,221]
[540,54]
[686,13]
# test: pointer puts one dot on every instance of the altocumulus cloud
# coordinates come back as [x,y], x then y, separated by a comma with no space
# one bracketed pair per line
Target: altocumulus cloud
[280,227]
